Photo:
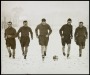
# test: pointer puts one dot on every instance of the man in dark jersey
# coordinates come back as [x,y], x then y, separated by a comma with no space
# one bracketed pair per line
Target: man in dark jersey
[24,39]
[44,33]
[10,34]
[80,37]
[66,36]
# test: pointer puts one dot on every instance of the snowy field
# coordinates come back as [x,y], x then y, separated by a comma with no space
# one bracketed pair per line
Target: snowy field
[34,64]
[56,14]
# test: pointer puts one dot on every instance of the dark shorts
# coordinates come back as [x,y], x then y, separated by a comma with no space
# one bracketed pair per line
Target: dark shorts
[11,42]
[66,40]
[43,40]
[25,40]
[80,41]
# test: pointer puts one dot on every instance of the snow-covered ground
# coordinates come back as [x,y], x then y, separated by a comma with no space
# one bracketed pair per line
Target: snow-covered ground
[34,64]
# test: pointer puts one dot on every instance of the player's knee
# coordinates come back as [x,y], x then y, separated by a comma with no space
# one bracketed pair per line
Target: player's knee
[83,47]
[8,48]
[69,46]
[13,49]
[63,46]
[80,47]
[42,47]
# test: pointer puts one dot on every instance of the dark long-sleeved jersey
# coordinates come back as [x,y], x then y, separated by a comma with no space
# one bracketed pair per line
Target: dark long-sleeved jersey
[43,29]
[81,32]
[66,30]
[25,31]
[10,31]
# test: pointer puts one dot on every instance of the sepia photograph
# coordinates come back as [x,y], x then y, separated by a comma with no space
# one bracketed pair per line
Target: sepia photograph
[44,37]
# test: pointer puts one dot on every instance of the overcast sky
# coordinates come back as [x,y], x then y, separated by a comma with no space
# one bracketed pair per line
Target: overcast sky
[56,12]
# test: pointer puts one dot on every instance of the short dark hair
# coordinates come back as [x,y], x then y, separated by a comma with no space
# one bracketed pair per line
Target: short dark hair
[69,19]
[43,20]
[10,22]
[24,21]
[81,22]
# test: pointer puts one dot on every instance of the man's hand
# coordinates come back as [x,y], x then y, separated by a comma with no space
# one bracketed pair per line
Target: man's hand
[5,37]
[19,38]
[86,37]
[9,36]
[62,37]
[71,37]
[32,38]
[47,35]
[75,40]
[37,36]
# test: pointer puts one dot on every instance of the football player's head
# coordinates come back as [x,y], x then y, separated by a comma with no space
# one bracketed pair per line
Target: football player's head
[69,21]
[80,24]
[43,21]
[9,24]
[25,23]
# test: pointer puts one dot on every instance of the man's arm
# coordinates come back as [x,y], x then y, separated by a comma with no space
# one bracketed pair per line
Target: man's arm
[60,31]
[75,34]
[86,33]
[71,32]
[31,33]
[5,34]
[36,30]
[14,34]
[17,34]
[50,30]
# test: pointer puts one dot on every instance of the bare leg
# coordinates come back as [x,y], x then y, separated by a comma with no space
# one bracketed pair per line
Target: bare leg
[25,53]
[63,50]
[9,51]
[68,51]
[13,53]
[80,51]
[45,50]
[22,50]
[83,47]
[42,51]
